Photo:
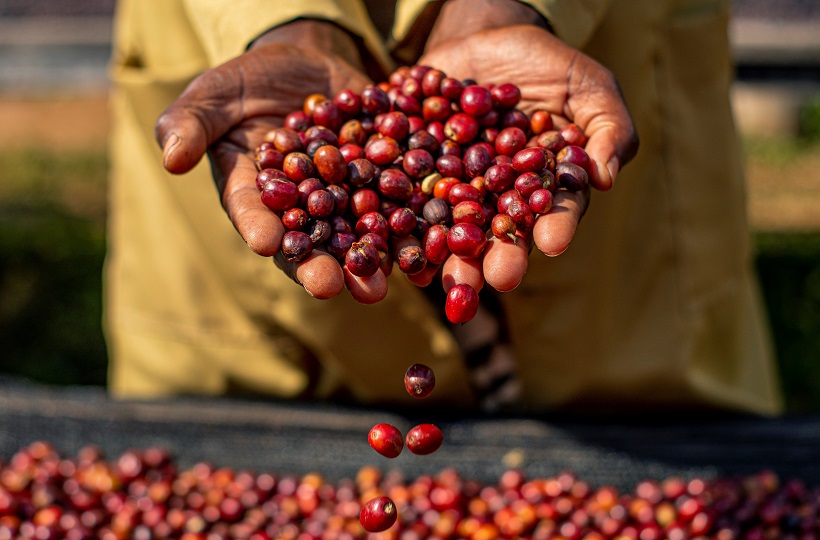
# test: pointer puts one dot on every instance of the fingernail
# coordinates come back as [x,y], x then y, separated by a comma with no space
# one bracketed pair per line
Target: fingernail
[171,143]
[613,165]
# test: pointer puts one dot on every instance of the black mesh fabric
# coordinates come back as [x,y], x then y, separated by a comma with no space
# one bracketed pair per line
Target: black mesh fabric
[296,438]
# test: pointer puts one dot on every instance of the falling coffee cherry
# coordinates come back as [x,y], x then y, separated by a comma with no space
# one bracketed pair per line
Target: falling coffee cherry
[424,439]
[378,514]
[461,304]
[386,440]
[419,380]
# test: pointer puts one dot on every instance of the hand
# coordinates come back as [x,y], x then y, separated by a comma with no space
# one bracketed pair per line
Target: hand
[552,76]
[226,112]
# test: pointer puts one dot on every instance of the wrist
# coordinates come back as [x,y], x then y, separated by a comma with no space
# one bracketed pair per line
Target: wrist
[316,34]
[461,18]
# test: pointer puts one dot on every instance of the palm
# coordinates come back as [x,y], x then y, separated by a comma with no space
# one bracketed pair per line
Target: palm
[227,111]
[573,88]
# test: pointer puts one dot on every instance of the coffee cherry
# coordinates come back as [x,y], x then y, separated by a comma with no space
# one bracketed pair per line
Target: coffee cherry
[436,109]
[263,176]
[477,159]
[574,154]
[319,231]
[411,259]
[382,150]
[295,219]
[435,244]
[349,102]
[320,133]
[280,195]
[373,222]
[540,122]
[298,166]
[466,240]
[571,176]
[309,104]
[285,140]
[450,166]
[423,140]
[527,183]
[296,246]
[385,439]
[552,141]
[374,100]
[362,259]
[505,95]
[269,158]
[424,439]
[574,135]
[451,88]
[541,201]
[352,132]
[469,211]
[395,185]
[419,380]
[378,514]
[517,119]
[402,222]
[529,160]
[461,128]
[320,203]
[510,141]
[499,178]
[351,152]
[339,244]
[503,227]
[418,163]
[298,121]
[461,304]
[394,125]
[522,215]
[476,100]
[361,172]
[326,113]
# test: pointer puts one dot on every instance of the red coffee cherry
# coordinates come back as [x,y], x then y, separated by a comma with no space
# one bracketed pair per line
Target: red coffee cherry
[461,304]
[419,380]
[378,514]
[424,439]
[385,439]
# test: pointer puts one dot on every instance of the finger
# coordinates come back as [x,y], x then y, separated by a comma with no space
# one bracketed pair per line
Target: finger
[426,276]
[366,290]
[320,274]
[235,176]
[505,263]
[554,230]
[204,112]
[603,114]
[457,270]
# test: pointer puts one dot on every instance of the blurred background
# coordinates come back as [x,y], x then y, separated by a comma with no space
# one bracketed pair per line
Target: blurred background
[53,126]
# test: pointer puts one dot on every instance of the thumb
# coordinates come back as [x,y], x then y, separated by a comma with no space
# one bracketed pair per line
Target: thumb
[205,111]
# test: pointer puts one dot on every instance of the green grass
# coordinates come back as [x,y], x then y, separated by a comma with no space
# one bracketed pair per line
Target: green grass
[789,269]
[52,245]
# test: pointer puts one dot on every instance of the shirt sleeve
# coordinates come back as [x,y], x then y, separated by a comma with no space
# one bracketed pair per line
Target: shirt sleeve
[574,21]
[226,28]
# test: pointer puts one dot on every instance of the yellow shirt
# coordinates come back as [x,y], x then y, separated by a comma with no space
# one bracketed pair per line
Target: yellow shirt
[654,303]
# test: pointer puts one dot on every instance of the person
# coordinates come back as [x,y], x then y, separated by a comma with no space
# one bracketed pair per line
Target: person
[654,303]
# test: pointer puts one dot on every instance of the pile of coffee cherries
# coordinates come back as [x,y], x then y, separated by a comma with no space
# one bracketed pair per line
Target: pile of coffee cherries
[143,495]
[414,169]
[380,513]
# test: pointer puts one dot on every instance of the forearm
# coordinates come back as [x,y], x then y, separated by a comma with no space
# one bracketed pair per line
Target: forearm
[315,34]
[461,18]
